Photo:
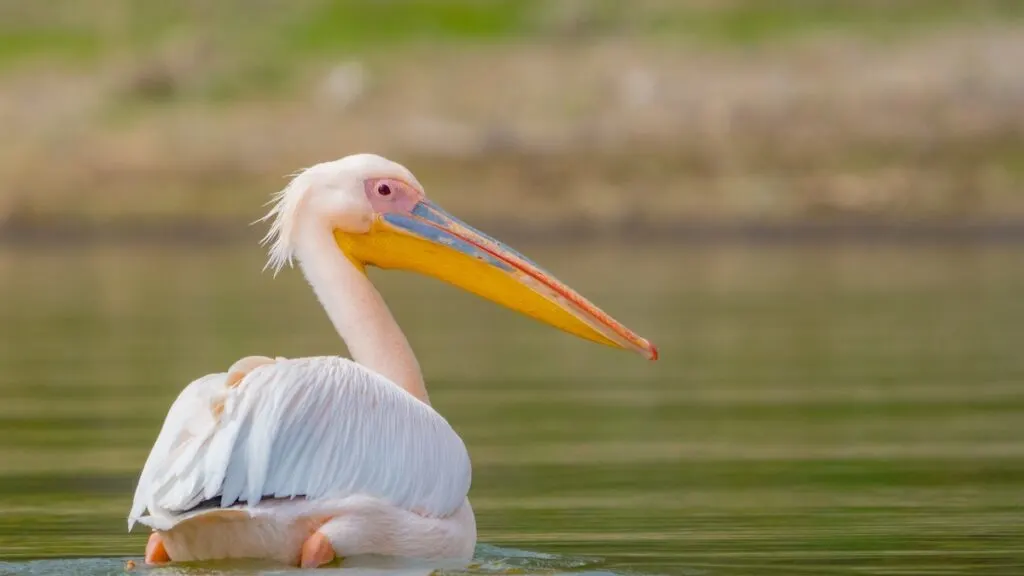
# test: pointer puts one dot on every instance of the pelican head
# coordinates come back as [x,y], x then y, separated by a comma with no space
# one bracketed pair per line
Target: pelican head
[379,215]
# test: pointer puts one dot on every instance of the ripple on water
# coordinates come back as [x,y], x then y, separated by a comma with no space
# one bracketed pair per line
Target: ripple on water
[489,560]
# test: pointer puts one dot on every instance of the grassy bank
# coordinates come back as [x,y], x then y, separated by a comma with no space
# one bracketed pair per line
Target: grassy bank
[583,111]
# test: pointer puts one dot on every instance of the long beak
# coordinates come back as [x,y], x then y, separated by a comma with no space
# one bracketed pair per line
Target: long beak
[432,242]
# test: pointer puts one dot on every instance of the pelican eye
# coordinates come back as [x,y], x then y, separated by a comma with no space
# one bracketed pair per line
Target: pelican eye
[383,189]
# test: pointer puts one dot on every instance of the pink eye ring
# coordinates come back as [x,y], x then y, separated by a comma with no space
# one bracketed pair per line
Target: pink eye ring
[391,195]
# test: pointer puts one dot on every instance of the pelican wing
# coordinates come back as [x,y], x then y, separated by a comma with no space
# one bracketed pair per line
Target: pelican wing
[309,427]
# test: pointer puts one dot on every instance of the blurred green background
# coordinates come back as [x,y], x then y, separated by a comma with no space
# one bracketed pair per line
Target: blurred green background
[814,208]
[722,110]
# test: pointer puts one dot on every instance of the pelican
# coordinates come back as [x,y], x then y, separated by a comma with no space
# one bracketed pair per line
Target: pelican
[305,461]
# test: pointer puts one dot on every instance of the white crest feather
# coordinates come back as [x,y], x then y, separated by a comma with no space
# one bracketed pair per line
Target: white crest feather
[283,214]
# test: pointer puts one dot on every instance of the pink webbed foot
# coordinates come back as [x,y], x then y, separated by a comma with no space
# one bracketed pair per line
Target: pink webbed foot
[155,551]
[316,551]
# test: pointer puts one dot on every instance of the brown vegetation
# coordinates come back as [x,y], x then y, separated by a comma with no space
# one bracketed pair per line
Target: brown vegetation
[601,131]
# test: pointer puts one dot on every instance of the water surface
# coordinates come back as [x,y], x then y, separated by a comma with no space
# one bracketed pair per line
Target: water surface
[828,410]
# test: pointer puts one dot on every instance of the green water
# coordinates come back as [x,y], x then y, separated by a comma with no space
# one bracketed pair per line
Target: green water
[828,410]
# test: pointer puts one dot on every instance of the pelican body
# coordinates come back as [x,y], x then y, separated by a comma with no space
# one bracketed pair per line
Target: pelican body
[308,460]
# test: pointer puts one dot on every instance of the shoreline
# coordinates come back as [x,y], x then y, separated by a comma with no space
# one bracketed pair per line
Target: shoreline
[185,232]
[822,128]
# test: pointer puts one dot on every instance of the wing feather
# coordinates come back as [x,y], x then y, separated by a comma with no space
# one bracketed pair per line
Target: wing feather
[311,427]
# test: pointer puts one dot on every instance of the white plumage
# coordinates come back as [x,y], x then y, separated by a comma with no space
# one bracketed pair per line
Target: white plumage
[313,459]
[322,427]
